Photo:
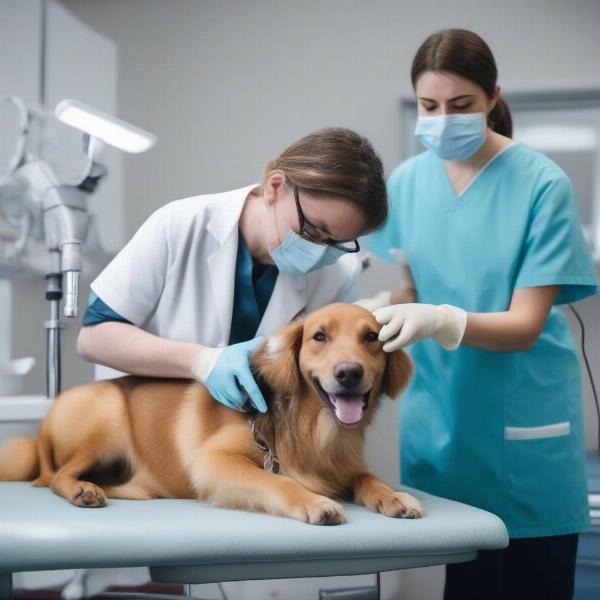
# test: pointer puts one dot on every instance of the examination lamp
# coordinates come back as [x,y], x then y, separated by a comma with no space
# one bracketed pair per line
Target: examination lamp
[112,131]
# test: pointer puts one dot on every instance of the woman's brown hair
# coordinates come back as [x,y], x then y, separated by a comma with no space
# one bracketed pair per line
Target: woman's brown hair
[337,162]
[464,53]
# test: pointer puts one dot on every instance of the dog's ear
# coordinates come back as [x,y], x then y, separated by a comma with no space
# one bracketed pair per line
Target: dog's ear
[398,371]
[276,359]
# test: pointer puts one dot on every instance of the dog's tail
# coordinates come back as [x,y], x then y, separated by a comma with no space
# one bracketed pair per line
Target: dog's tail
[19,459]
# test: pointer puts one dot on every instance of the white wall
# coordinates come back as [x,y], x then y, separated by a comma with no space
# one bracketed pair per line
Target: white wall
[227,84]
[19,37]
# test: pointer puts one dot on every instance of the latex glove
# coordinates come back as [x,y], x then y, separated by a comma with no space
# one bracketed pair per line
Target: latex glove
[224,370]
[379,300]
[410,322]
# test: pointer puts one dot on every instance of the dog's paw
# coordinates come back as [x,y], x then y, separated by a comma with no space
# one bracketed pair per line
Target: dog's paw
[320,510]
[88,495]
[400,506]
[42,481]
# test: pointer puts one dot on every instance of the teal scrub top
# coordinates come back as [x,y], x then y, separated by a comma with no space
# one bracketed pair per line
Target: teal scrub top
[502,431]
[254,284]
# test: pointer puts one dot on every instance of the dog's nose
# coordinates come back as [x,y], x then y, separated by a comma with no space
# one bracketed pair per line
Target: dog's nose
[348,373]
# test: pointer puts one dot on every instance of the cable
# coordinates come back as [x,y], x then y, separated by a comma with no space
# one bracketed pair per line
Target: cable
[589,370]
[222,591]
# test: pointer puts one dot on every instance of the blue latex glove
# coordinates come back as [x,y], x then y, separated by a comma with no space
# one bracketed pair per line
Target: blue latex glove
[228,377]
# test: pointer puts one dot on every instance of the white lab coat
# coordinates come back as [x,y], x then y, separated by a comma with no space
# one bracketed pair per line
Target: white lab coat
[175,277]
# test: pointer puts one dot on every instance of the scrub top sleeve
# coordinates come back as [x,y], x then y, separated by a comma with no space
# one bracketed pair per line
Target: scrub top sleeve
[99,312]
[133,282]
[555,251]
[389,236]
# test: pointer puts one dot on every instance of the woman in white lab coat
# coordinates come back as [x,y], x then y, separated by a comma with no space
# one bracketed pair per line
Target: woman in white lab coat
[205,277]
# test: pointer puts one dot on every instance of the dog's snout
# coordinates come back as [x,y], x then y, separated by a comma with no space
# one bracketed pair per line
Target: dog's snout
[348,373]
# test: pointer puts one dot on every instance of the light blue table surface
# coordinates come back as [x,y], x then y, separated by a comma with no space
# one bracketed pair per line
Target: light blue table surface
[192,542]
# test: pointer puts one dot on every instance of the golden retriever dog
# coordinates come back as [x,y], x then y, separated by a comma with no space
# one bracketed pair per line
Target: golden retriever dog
[140,438]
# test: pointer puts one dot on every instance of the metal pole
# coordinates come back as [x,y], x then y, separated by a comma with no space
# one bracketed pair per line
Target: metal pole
[53,366]
[53,351]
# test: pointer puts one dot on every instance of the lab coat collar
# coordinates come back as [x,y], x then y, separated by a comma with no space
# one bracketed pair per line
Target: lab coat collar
[223,226]
[289,295]
[225,219]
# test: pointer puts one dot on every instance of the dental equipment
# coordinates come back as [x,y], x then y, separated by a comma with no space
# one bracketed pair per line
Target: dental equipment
[57,210]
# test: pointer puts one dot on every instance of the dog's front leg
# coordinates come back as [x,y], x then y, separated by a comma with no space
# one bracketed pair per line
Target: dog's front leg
[232,480]
[378,497]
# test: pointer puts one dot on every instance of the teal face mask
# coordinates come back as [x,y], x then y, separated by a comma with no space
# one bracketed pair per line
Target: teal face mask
[452,137]
[297,255]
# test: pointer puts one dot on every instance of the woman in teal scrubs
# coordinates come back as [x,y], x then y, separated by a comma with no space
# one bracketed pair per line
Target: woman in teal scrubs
[490,231]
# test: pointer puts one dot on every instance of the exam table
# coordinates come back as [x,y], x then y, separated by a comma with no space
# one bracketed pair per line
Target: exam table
[185,541]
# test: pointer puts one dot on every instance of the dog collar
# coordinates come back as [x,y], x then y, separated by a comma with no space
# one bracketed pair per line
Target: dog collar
[270,461]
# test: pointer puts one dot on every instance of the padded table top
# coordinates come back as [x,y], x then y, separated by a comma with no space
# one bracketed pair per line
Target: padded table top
[192,542]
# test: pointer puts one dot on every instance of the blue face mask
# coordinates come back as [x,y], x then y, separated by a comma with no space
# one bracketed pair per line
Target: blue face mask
[297,255]
[452,137]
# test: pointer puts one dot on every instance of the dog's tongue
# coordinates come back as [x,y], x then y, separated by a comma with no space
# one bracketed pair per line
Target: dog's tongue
[348,408]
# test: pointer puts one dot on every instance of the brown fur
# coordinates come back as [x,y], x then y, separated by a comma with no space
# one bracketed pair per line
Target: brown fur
[154,438]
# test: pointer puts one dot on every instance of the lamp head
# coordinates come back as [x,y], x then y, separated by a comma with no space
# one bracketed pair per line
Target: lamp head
[110,130]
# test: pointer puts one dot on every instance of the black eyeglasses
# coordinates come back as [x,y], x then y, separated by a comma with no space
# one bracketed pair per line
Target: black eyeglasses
[315,234]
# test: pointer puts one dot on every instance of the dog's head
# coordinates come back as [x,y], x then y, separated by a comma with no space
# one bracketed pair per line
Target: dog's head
[333,358]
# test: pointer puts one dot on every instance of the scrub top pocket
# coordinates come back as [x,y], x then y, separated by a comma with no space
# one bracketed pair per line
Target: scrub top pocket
[543,472]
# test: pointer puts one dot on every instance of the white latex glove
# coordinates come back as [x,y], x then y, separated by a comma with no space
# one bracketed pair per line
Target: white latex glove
[446,324]
[379,300]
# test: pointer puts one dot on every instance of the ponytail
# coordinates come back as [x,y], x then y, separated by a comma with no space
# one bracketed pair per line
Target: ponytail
[500,119]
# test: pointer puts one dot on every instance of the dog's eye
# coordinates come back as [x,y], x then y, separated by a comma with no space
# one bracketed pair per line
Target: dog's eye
[371,337]
[319,336]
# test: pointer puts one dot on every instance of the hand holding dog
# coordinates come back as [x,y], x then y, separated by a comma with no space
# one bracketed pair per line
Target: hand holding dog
[224,370]
[404,324]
